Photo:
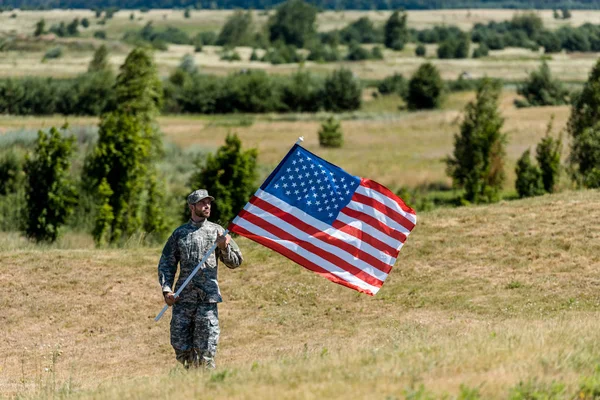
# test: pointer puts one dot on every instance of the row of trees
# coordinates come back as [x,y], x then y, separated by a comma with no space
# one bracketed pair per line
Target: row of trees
[187,90]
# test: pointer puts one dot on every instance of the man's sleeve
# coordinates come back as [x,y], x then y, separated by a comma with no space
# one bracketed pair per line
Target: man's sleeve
[167,266]
[232,255]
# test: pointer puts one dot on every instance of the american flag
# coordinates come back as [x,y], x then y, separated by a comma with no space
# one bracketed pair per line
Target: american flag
[345,228]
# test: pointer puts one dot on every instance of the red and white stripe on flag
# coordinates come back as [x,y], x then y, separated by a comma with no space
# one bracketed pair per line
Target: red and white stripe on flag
[358,249]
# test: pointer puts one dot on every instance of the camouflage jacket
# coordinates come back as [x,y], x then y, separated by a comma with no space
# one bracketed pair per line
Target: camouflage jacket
[186,246]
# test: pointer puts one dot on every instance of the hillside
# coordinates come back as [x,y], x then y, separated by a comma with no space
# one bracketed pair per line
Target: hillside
[327,4]
[485,296]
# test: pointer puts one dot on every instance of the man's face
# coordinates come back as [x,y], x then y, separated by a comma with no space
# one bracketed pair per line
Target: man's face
[201,209]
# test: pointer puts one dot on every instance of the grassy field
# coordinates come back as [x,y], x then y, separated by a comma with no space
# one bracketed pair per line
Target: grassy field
[481,299]
[510,64]
[396,148]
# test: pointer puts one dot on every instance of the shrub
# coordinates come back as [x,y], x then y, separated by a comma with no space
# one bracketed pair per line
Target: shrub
[541,89]
[393,84]
[85,22]
[342,92]
[330,134]
[100,60]
[254,56]
[40,27]
[376,53]
[10,173]
[302,93]
[420,50]
[323,53]
[477,164]
[425,88]
[187,13]
[100,35]
[230,55]
[357,53]
[529,177]
[50,193]
[229,176]
[481,51]
[454,47]
[55,52]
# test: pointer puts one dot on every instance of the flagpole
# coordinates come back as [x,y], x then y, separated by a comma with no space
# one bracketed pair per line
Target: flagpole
[189,278]
[300,140]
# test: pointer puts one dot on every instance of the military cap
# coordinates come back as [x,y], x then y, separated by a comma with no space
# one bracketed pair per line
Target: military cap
[198,195]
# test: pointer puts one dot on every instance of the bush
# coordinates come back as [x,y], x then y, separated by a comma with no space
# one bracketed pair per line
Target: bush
[11,170]
[481,51]
[454,47]
[357,53]
[302,93]
[100,35]
[229,176]
[425,88]
[361,31]
[393,84]
[230,55]
[477,163]
[323,53]
[55,52]
[376,53]
[420,50]
[529,177]
[542,90]
[85,22]
[330,134]
[50,193]
[342,92]
[254,56]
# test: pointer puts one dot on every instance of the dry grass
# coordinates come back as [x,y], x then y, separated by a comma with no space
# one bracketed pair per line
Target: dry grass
[482,296]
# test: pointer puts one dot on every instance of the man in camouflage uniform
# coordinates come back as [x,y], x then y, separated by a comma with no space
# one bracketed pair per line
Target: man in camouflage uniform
[195,322]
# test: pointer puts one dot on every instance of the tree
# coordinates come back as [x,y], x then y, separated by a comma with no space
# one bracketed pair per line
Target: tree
[40,27]
[330,134]
[294,23]
[85,22]
[477,164]
[548,153]
[425,88]
[541,89]
[187,13]
[584,129]
[395,34]
[100,60]
[229,176]
[50,193]
[120,168]
[529,177]
[393,84]
[72,28]
[341,91]
[237,31]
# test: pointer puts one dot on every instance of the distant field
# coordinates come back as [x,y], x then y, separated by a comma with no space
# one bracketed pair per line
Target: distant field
[484,297]
[394,147]
[510,64]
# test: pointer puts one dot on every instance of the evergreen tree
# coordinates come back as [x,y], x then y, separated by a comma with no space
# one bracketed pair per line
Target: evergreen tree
[584,130]
[237,31]
[395,33]
[100,60]
[120,167]
[477,164]
[50,193]
[229,176]
[330,134]
[548,153]
[425,88]
[529,177]
[40,27]
[72,28]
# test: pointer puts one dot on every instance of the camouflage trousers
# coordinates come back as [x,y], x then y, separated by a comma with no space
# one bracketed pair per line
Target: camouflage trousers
[195,332]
